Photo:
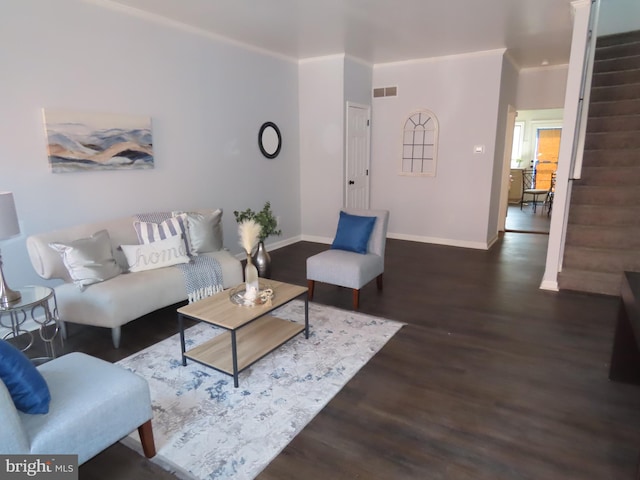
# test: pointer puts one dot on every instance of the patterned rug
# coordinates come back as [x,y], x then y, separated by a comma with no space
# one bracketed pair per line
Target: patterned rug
[204,428]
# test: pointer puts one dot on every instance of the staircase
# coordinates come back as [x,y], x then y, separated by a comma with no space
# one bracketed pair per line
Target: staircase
[603,231]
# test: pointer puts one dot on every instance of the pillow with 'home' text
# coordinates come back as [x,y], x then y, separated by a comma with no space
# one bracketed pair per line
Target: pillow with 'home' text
[149,256]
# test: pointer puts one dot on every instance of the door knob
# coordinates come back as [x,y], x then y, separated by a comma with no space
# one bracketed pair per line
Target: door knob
[351,182]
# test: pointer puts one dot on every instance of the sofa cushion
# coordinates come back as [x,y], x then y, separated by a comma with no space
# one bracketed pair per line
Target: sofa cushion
[132,295]
[353,233]
[28,389]
[158,254]
[88,260]
[204,231]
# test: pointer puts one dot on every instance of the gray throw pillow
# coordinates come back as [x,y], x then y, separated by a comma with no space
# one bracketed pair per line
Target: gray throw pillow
[88,260]
[205,231]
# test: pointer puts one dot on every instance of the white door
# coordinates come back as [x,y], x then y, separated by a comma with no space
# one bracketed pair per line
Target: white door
[357,156]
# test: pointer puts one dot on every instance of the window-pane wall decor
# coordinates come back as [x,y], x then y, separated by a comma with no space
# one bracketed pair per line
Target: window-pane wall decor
[420,144]
[81,141]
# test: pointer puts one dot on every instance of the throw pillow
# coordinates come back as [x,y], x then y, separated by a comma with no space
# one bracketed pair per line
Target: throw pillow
[205,231]
[27,387]
[353,233]
[88,260]
[149,232]
[162,253]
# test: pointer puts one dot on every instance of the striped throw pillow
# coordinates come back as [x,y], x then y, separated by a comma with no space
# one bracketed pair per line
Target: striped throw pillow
[149,232]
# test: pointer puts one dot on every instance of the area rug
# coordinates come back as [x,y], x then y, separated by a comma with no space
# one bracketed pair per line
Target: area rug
[204,428]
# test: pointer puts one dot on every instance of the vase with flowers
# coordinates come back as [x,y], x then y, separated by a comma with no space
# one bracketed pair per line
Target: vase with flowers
[249,232]
[268,226]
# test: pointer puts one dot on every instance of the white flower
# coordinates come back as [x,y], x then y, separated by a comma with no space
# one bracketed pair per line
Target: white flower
[249,232]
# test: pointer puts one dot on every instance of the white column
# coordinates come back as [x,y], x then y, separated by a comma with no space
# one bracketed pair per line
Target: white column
[570,129]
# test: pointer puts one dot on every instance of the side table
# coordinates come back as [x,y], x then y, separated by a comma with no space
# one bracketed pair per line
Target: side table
[39,304]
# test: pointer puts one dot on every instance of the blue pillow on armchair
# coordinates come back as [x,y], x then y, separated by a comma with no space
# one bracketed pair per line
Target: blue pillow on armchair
[28,388]
[353,233]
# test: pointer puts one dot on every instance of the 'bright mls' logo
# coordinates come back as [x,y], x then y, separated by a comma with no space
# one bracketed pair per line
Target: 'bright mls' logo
[58,467]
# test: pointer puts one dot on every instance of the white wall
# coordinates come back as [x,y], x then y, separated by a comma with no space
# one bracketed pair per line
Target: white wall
[617,16]
[463,92]
[358,76]
[321,90]
[508,88]
[542,87]
[207,100]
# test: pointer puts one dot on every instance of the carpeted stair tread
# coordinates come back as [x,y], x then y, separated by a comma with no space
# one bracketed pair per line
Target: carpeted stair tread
[625,107]
[600,259]
[611,175]
[605,79]
[611,158]
[611,140]
[604,283]
[618,39]
[627,91]
[617,123]
[612,197]
[621,50]
[616,64]
[604,215]
[594,236]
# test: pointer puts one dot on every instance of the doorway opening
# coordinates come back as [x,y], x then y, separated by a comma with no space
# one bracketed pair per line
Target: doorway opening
[536,145]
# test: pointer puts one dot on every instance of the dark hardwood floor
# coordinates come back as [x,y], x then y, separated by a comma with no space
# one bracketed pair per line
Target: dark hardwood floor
[526,220]
[491,378]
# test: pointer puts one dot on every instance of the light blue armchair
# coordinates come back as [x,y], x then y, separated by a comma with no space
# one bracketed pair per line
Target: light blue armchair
[93,405]
[348,268]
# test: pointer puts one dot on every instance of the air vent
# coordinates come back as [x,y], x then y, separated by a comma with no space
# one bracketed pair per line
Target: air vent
[385,92]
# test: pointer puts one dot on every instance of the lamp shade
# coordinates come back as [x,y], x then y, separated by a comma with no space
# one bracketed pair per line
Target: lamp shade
[8,217]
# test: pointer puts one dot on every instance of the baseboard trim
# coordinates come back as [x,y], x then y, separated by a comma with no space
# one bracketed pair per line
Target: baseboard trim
[549,285]
[397,236]
[443,241]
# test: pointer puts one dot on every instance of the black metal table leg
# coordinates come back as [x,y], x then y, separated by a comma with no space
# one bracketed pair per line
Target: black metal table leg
[306,316]
[182,344]
[234,355]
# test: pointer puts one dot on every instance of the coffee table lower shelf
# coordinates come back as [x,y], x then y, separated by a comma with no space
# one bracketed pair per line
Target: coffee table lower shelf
[253,342]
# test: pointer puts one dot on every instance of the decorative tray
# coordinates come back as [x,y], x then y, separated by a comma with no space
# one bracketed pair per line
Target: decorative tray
[265,295]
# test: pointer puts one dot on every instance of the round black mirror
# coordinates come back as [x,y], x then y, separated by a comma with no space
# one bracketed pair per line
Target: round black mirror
[269,140]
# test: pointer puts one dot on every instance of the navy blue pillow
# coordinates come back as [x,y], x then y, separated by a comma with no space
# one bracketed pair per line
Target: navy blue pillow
[28,388]
[353,233]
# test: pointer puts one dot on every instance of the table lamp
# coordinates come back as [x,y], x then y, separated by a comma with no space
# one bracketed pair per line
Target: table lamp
[8,228]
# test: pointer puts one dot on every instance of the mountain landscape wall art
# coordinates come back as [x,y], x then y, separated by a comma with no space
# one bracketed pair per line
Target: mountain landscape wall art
[81,141]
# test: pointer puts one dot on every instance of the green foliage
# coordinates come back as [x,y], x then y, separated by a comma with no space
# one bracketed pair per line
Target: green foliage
[264,218]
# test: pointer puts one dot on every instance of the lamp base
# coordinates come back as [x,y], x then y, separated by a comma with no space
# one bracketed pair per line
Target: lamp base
[8,296]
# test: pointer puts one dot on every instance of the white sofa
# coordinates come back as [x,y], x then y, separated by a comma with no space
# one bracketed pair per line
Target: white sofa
[127,296]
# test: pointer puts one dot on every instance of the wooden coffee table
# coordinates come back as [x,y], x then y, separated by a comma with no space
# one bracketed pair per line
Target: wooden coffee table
[250,332]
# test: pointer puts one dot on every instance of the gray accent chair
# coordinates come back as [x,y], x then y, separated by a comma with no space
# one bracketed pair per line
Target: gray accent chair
[349,269]
[93,405]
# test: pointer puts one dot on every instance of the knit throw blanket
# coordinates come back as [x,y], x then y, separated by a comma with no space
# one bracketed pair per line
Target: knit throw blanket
[202,275]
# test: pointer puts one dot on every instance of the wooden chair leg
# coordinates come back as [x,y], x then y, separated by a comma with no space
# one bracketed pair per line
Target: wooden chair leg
[310,285]
[146,439]
[356,298]
[379,281]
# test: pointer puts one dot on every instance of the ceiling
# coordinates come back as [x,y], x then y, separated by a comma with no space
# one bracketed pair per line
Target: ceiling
[379,31]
